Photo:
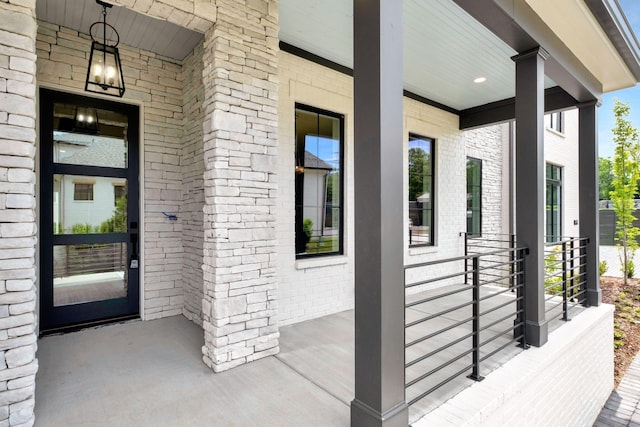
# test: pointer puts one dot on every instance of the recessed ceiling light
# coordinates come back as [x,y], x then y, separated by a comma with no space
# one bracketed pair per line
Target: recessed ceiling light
[480,80]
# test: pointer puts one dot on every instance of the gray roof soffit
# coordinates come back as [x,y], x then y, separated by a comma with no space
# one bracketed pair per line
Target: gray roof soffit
[613,21]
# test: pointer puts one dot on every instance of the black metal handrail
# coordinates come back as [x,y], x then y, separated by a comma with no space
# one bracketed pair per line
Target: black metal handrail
[565,278]
[492,273]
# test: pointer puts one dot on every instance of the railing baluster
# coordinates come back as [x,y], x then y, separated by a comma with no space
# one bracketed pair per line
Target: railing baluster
[475,375]
[565,309]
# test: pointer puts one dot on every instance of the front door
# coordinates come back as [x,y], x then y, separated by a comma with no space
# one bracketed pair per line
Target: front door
[89,214]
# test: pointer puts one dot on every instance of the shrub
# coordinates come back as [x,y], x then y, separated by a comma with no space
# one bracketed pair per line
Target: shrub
[602,267]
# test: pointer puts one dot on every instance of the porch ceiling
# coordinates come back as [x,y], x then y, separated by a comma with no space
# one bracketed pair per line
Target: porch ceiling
[135,29]
[445,48]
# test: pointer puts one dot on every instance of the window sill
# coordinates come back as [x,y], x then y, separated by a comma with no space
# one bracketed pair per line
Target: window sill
[555,132]
[303,264]
[422,250]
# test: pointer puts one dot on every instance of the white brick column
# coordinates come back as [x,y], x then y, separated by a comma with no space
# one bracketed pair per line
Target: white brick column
[18,364]
[240,148]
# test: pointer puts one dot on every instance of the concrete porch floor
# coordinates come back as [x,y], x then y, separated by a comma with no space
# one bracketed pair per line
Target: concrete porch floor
[151,373]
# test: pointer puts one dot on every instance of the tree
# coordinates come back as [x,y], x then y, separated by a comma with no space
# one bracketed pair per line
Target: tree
[605,167]
[626,174]
[418,159]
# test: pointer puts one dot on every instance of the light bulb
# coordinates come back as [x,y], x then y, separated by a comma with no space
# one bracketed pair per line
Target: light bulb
[97,73]
[89,119]
[81,117]
[111,72]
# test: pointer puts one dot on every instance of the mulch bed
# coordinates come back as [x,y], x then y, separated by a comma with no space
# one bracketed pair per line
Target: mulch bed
[626,320]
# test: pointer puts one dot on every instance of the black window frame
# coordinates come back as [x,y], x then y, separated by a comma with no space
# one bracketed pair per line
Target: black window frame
[471,187]
[556,121]
[551,215]
[299,187]
[432,231]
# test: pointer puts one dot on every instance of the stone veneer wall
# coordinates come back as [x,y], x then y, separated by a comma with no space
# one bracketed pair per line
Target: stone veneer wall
[192,163]
[18,364]
[487,144]
[316,287]
[156,83]
[240,152]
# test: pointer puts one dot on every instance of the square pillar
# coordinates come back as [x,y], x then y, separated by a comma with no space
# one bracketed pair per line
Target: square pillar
[240,152]
[530,186]
[379,265]
[18,339]
[588,196]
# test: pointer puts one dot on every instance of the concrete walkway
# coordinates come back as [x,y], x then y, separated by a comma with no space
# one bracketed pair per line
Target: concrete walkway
[623,406]
[611,256]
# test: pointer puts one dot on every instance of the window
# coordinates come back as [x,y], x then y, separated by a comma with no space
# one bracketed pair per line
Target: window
[118,192]
[318,182]
[553,230]
[474,196]
[421,195]
[556,121]
[82,191]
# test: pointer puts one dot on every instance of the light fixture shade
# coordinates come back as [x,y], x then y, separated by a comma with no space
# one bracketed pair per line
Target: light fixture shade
[104,74]
[86,121]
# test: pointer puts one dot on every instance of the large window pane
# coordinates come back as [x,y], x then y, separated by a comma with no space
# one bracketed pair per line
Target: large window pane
[421,194]
[474,196]
[89,204]
[553,209]
[85,273]
[318,177]
[89,136]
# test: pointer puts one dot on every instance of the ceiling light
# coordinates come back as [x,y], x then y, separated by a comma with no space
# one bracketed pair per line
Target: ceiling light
[480,80]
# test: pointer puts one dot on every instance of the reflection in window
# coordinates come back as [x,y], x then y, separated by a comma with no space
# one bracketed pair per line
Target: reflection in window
[474,196]
[83,191]
[553,215]
[318,180]
[556,121]
[106,212]
[421,194]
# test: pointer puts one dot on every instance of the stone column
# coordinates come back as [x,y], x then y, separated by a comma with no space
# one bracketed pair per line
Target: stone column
[18,364]
[530,185]
[379,280]
[240,149]
[588,194]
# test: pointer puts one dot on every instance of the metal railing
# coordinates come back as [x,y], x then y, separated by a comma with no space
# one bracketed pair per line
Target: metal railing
[492,266]
[455,328]
[72,260]
[565,277]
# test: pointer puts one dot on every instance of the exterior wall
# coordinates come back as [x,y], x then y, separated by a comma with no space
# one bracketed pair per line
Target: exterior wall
[561,149]
[156,84]
[192,163]
[18,364]
[564,383]
[240,151]
[315,287]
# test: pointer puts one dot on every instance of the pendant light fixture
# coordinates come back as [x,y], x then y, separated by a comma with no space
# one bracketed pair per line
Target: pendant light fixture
[104,74]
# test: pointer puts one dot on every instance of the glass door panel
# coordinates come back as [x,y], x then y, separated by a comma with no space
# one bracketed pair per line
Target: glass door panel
[89,210]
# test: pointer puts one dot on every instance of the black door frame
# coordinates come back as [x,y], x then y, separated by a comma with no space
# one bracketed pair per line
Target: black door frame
[73,316]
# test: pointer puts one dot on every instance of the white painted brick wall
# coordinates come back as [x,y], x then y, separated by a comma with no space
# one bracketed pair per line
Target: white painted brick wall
[157,83]
[18,364]
[564,383]
[562,150]
[316,287]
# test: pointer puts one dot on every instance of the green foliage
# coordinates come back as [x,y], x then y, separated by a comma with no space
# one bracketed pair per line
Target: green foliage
[307,228]
[626,174]
[618,343]
[81,228]
[602,267]
[618,334]
[118,221]
[419,164]
[605,171]
[631,268]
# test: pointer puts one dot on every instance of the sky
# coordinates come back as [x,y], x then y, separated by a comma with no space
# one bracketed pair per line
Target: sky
[631,96]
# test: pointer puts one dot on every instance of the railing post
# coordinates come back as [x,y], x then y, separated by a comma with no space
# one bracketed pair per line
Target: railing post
[520,297]
[565,308]
[466,254]
[475,375]
[584,272]
[512,264]
[572,267]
